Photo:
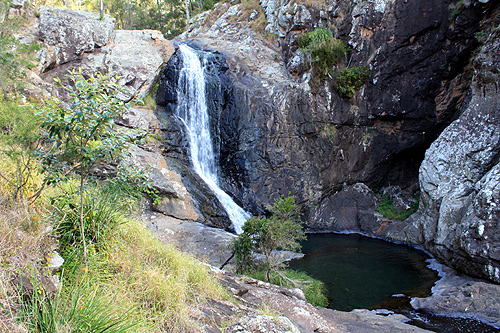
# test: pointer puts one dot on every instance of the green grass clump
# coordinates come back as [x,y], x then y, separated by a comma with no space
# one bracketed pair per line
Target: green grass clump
[102,210]
[81,309]
[130,282]
[324,51]
[348,81]
[314,290]
[387,209]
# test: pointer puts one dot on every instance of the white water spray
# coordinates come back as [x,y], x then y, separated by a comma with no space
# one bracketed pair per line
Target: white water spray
[192,110]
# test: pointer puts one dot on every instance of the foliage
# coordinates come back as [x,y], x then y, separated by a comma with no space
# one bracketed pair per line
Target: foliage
[265,235]
[199,6]
[127,174]
[76,310]
[15,58]
[149,100]
[314,290]
[102,211]
[324,51]
[456,9]
[387,209]
[348,81]
[19,178]
[167,16]
[82,136]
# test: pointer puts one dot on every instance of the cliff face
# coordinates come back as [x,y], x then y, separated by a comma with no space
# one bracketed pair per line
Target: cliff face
[282,132]
[285,132]
[458,219]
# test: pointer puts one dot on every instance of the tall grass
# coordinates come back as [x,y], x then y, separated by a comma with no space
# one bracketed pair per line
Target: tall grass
[81,309]
[314,290]
[103,211]
[159,284]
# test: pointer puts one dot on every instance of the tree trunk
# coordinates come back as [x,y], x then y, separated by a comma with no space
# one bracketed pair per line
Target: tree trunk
[82,225]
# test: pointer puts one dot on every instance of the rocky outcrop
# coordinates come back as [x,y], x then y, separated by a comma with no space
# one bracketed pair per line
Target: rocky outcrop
[263,307]
[181,194]
[458,218]
[286,133]
[459,295]
[75,40]
[67,34]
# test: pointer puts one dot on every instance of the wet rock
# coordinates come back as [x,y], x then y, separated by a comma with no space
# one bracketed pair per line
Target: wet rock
[459,295]
[290,134]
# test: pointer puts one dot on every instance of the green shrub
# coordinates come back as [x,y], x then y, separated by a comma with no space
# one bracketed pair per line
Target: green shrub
[387,209]
[266,235]
[323,50]
[19,178]
[348,81]
[314,290]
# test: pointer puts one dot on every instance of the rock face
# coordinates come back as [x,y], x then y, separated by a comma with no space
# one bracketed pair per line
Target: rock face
[283,132]
[68,34]
[458,219]
[458,295]
[75,40]
[282,138]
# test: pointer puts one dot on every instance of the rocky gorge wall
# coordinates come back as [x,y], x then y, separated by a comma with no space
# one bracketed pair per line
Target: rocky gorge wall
[279,133]
[284,133]
[459,218]
[287,134]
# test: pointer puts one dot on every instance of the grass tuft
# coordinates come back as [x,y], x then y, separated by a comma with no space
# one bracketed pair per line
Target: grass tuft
[314,290]
[324,51]
[387,209]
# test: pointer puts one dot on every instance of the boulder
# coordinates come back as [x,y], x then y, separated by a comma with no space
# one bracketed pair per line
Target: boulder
[75,40]
[67,34]
[350,209]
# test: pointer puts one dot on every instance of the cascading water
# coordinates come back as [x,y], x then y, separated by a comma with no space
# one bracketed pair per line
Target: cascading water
[192,110]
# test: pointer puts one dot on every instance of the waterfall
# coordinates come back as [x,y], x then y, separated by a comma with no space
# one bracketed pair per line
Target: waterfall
[192,110]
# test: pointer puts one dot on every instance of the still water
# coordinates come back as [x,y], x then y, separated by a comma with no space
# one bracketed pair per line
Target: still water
[365,273]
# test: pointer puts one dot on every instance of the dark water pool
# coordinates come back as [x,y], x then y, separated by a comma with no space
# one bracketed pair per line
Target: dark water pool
[365,273]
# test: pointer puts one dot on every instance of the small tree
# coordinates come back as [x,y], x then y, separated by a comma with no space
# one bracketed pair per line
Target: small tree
[83,135]
[266,235]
